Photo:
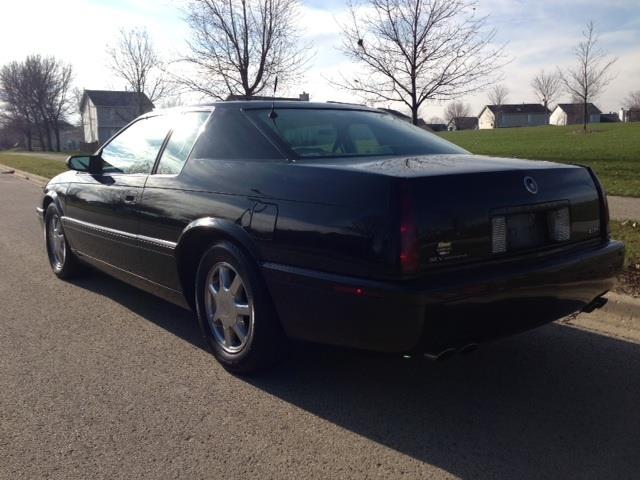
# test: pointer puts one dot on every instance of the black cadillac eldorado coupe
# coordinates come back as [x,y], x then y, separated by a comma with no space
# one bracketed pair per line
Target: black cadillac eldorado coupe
[331,223]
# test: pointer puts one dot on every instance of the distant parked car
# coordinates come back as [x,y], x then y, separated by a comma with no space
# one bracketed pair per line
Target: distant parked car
[331,223]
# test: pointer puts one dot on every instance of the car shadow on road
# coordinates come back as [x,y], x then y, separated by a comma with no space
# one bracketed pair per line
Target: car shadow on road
[556,402]
[552,403]
[170,317]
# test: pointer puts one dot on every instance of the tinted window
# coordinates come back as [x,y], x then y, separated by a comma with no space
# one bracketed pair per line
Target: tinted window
[136,148]
[185,131]
[317,133]
[230,135]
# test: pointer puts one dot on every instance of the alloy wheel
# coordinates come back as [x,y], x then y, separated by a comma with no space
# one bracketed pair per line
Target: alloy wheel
[229,308]
[57,244]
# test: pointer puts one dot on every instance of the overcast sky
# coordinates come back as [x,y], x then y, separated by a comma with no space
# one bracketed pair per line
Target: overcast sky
[540,34]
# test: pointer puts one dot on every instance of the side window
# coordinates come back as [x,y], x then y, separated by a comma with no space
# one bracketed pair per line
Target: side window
[229,135]
[186,130]
[136,148]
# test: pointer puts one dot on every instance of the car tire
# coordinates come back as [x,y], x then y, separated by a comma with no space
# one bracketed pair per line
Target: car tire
[62,260]
[235,312]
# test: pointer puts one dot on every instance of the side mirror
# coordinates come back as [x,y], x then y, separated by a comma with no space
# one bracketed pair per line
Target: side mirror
[85,163]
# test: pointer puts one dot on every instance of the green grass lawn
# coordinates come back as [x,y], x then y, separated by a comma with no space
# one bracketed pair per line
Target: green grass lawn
[612,149]
[44,167]
[629,233]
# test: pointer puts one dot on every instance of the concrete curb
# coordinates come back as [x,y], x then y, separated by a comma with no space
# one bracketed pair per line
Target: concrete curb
[623,306]
[37,179]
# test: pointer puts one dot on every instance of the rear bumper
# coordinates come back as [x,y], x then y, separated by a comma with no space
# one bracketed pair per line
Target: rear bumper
[447,310]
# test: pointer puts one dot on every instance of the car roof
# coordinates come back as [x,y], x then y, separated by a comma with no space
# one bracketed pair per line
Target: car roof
[262,104]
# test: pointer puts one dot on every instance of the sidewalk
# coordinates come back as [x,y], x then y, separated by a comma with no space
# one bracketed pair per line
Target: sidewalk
[624,208]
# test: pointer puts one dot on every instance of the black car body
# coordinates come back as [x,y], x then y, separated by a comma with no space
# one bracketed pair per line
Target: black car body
[364,231]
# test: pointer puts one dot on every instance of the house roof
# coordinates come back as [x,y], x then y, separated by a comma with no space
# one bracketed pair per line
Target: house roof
[116,98]
[576,108]
[406,118]
[465,123]
[518,108]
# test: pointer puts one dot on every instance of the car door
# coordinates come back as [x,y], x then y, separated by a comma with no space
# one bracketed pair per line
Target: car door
[164,203]
[101,208]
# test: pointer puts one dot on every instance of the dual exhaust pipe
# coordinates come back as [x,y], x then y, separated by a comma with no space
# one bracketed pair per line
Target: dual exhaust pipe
[596,304]
[450,352]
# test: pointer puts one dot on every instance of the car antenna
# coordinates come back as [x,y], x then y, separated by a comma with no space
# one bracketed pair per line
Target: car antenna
[272,114]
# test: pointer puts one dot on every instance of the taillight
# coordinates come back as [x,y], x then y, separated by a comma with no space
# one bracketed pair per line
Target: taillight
[409,253]
[605,230]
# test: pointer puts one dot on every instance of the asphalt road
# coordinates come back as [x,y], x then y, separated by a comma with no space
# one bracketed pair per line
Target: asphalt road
[99,380]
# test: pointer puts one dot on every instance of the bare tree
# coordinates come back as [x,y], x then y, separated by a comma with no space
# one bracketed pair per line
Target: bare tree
[592,74]
[498,95]
[136,61]
[35,94]
[412,51]
[14,95]
[59,104]
[633,100]
[547,87]
[240,47]
[455,111]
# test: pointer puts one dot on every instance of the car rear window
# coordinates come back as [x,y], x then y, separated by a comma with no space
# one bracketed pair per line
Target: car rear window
[328,133]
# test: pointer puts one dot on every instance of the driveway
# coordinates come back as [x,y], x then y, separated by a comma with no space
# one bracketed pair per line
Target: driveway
[100,380]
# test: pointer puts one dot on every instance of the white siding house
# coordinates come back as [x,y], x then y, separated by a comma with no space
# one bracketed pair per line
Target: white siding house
[517,115]
[572,114]
[104,112]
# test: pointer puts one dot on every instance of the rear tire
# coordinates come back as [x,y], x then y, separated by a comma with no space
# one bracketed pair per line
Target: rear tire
[235,313]
[63,261]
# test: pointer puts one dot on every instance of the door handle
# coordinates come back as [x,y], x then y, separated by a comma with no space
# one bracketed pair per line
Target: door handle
[130,199]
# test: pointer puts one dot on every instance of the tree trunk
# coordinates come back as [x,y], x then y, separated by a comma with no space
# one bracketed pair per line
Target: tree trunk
[414,115]
[56,129]
[585,116]
[40,136]
[47,131]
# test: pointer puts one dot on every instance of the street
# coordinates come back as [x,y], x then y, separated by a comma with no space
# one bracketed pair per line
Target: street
[100,380]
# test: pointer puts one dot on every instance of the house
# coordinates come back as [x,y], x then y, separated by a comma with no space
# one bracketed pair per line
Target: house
[516,115]
[71,137]
[104,112]
[303,97]
[630,115]
[463,123]
[573,114]
[611,117]
[437,127]
[406,118]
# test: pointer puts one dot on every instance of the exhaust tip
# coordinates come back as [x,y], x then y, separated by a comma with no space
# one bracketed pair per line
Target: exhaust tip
[595,304]
[441,356]
[472,347]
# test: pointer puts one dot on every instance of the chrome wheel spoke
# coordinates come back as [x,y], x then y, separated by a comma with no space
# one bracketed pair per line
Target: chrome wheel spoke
[228,336]
[240,333]
[243,310]
[228,308]
[224,278]
[236,285]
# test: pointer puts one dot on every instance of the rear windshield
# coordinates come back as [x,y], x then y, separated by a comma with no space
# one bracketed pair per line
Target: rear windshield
[328,133]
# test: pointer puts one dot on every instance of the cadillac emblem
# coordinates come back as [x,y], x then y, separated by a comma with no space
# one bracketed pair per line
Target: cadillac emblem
[531,185]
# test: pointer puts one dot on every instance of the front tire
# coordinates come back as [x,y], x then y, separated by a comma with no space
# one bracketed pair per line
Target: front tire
[235,313]
[63,261]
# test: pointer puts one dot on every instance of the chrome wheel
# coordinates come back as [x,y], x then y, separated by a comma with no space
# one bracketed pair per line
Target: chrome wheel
[57,244]
[229,308]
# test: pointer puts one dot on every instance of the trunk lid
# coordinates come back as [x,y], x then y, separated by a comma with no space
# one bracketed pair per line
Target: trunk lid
[468,208]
